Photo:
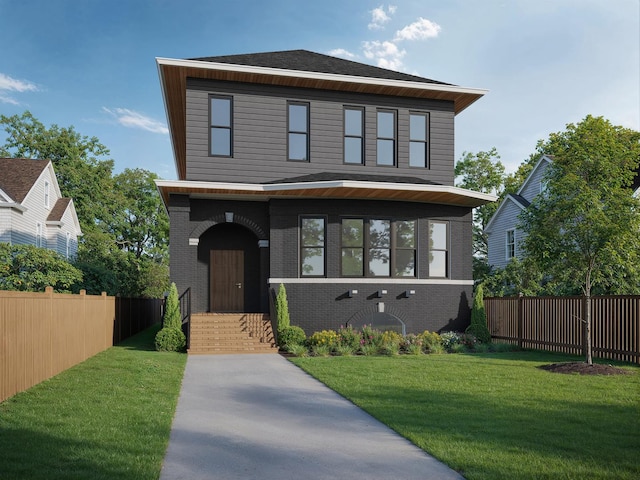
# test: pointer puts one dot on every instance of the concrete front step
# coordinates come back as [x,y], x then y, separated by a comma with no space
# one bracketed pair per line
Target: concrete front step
[219,333]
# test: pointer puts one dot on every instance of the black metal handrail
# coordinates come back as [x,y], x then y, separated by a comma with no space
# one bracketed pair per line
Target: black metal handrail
[185,312]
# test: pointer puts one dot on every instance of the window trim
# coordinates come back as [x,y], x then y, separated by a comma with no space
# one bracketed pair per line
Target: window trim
[510,247]
[68,245]
[39,235]
[393,248]
[47,194]
[345,135]
[307,133]
[394,139]
[426,142]
[447,248]
[323,247]
[221,127]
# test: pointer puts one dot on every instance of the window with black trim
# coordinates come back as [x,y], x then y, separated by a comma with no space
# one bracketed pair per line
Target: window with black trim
[312,246]
[353,135]
[386,137]
[374,247]
[419,140]
[298,131]
[439,249]
[510,244]
[221,129]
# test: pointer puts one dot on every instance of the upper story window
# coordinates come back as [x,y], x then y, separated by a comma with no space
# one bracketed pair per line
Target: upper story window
[221,137]
[353,135]
[418,140]
[68,245]
[38,234]
[47,188]
[438,249]
[378,247]
[510,244]
[312,246]
[386,137]
[298,129]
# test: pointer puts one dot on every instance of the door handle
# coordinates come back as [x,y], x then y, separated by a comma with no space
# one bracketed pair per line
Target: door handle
[239,285]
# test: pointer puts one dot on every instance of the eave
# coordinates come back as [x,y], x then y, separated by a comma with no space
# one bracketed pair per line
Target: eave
[174,73]
[341,189]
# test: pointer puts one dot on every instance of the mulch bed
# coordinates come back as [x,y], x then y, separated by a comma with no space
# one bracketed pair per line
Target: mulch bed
[583,368]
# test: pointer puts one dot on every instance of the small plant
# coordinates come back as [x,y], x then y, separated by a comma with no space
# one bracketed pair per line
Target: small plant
[458,348]
[390,343]
[171,338]
[449,339]
[437,349]
[298,350]
[368,349]
[412,344]
[430,341]
[291,335]
[469,341]
[344,350]
[478,327]
[282,309]
[370,336]
[482,348]
[321,350]
[348,336]
[328,338]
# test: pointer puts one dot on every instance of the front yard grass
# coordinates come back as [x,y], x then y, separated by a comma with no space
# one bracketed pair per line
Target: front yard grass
[108,417]
[498,416]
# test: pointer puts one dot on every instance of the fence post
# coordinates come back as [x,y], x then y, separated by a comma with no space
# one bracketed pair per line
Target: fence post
[520,319]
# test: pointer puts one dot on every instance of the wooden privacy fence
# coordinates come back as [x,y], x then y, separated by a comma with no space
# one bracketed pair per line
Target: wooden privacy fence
[43,334]
[556,324]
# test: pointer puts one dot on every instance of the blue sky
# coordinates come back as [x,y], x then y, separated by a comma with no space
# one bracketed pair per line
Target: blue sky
[546,63]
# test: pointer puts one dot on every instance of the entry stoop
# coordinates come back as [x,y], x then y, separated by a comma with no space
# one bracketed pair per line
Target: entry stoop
[228,333]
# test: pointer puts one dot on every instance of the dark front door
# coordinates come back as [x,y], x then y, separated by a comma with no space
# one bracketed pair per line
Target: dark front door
[227,281]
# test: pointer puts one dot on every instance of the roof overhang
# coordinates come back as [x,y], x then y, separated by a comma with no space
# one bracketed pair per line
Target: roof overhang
[174,73]
[338,189]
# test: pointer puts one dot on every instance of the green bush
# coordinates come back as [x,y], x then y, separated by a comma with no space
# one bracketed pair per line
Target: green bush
[430,341]
[412,344]
[298,350]
[321,350]
[328,338]
[450,340]
[343,350]
[290,336]
[390,343]
[282,309]
[170,340]
[478,327]
[172,317]
[349,337]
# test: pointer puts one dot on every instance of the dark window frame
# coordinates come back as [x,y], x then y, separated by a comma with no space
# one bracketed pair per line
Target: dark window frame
[510,244]
[347,135]
[393,139]
[307,133]
[302,246]
[221,127]
[446,250]
[425,142]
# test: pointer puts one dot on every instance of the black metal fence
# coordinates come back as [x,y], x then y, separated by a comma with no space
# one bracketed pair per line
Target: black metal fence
[133,315]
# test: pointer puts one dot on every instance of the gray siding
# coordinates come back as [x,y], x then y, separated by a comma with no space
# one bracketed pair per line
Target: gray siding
[260,134]
[497,247]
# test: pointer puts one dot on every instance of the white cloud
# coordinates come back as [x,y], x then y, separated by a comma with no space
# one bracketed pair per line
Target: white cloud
[379,16]
[133,119]
[9,84]
[386,54]
[341,52]
[421,29]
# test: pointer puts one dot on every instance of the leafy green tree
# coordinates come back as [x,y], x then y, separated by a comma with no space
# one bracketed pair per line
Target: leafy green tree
[478,327]
[171,338]
[282,309]
[585,229]
[32,269]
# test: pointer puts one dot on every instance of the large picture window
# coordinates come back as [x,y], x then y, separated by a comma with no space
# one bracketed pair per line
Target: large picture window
[386,137]
[221,136]
[378,247]
[353,135]
[312,246]
[298,128]
[438,249]
[418,140]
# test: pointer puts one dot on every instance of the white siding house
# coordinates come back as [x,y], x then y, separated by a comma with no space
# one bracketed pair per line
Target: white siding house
[32,209]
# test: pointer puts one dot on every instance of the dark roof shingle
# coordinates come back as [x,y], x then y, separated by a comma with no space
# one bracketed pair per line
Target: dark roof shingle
[17,176]
[358,177]
[56,213]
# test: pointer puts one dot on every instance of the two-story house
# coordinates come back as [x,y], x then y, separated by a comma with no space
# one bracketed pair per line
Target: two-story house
[332,177]
[32,209]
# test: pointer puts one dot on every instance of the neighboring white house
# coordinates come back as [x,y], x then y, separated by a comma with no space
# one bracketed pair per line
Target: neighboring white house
[504,238]
[32,210]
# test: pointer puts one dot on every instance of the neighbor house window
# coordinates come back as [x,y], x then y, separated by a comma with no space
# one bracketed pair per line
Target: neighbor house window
[418,140]
[378,247]
[46,194]
[68,245]
[438,249]
[510,244]
[38,234]
[353,135]
[220,112]
[312,246]
[298,128]
[386,137]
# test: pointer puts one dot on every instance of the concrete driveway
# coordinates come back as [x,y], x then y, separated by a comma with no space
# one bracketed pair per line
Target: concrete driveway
[261,417]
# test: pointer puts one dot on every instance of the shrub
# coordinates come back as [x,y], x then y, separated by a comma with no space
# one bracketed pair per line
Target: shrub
[449,339]
[458,348]
[321,350]
[390,343]
[430,341]
[170,340]
[345,350]
[348,336]
[370,336]
[298,350]
[290,336]
[328,338]
[411,344]
[368,349]
[478,326]
[469,341]
[282,309]
[482,348]
[171,317]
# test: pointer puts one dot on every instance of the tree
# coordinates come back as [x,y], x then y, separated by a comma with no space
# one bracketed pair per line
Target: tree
[478,327]
[282,309]
[481,172]
[171,338]
[585,229]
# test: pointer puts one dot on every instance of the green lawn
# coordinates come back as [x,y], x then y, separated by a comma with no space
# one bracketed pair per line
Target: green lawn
[108,417]
[498,416]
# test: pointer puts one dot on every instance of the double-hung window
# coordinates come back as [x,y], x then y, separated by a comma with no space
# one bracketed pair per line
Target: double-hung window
[39,235]
[438,249]
[298,131]
[221,128]
[378,247]
[386,137]
[312,246]
[510,244]
[47,190]
[418,140]
[353,135]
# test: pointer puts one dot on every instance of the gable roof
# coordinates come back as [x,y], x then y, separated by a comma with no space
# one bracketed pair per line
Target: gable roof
[19,175]
[297,69]
[517,200]
[56,213]
[544,160]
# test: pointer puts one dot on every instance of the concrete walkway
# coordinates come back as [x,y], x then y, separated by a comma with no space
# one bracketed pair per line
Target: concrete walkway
[261,417]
